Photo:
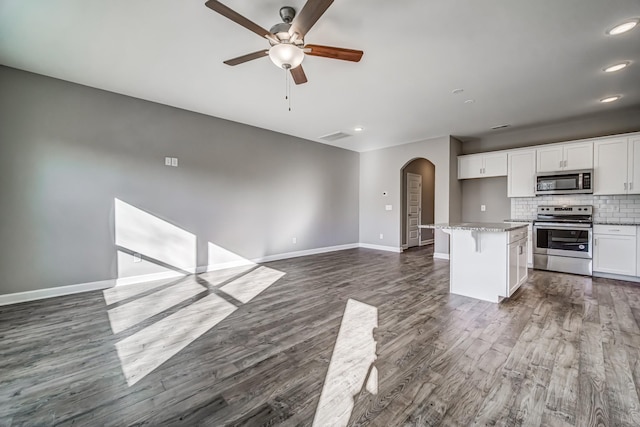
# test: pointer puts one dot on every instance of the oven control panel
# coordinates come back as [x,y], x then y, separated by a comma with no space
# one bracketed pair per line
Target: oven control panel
[565,210]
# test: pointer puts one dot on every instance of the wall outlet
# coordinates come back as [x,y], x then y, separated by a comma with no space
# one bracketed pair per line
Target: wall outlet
[381,236]
[174,161]
[483,208]
[294,240]
[137,258]
[167,161]
[388,207]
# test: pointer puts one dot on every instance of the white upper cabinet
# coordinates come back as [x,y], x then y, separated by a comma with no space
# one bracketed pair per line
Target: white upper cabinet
[610,166]
[521,173]
[482,165]
[495,164]
[565,157]
[578,156]
[633,171]
[617,166]
[550,159]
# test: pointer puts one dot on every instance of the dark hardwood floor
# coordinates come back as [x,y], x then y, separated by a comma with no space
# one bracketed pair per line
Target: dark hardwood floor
[211,350]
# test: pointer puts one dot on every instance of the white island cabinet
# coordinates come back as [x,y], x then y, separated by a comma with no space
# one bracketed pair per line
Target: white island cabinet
[487,261]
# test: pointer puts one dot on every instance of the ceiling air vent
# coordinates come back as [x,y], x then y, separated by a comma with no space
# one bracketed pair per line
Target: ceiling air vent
[500,127]
[334,136]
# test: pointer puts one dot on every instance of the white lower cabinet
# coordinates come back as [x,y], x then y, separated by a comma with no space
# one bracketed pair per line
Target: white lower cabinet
[517,259]
[615,249]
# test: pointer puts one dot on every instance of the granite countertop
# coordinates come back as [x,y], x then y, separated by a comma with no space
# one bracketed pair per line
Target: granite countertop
[615,223]
[478,226]
[519,220]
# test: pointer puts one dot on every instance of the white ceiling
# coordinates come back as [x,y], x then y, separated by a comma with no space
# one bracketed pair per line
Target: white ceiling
[523,62]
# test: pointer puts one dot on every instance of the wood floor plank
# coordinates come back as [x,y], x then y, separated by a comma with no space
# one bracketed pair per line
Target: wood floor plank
[563,351]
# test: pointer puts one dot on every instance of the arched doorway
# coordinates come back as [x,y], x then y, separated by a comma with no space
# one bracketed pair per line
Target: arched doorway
[417,202]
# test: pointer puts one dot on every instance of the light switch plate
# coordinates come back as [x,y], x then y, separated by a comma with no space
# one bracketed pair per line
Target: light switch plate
[174,161]
[388,207]
[167,161]
[483,208]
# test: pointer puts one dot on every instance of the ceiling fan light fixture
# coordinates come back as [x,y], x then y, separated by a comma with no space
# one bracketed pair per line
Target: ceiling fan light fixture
[286,55]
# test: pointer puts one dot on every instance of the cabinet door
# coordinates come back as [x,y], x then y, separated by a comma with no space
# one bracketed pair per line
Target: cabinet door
[470,166]
[494,165]
[578,156]
[633,171]
[521,174]
[512,273]
[549,159]
[522,261]
[530,248]
[610,166]
[614,254]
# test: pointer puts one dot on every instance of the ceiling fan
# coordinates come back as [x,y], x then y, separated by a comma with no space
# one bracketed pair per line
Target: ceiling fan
[287,38]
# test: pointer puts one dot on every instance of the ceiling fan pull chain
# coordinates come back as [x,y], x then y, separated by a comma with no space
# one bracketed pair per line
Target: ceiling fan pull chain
[289,90]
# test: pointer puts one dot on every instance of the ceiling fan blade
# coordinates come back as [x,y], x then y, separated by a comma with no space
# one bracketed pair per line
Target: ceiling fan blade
[239,19]
[248,57]
[334,52]
[298,75]
[308,16]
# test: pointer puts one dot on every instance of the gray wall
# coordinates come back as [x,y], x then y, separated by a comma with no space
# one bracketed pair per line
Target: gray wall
[602,124]
[380,171]
[491,192]
[68,151]
[427,171]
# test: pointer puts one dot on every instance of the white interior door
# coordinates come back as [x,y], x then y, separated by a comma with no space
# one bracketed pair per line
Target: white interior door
[414,207]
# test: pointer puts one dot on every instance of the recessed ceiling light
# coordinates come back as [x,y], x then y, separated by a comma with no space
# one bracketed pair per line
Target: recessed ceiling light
[623,28]
[617,67]
[469,101]
[610,98]
[358,128]
[457,91]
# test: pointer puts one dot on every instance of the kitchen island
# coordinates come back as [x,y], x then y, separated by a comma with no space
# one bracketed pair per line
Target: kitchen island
[488,261]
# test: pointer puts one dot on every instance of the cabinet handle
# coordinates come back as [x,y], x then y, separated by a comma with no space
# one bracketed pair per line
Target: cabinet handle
[595,242]
[625,185]
[561,163]
[631,186]
[520,250]
[480,171]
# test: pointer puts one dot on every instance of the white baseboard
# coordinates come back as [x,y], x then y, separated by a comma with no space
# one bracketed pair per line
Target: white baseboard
[616,276]
[55,292]
[296,254]
[380,247]
[440,255]
[110,283]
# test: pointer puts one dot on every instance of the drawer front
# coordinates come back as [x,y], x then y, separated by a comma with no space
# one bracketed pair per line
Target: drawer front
[519,234]
[619,230]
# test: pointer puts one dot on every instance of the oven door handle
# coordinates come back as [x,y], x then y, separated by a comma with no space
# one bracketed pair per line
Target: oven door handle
[549,225]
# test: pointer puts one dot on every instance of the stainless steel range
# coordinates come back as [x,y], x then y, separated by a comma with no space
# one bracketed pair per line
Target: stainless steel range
[562,239]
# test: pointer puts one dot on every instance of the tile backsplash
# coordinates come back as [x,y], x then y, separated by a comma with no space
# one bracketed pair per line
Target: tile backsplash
[605,208]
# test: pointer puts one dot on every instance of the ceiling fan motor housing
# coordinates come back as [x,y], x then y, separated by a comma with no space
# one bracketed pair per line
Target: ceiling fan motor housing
[287,13]
[281,31]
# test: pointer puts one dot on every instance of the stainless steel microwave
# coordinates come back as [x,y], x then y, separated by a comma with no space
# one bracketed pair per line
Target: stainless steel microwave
[565,182]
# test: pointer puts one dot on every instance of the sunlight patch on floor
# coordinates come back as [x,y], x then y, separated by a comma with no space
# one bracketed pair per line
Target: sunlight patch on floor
[351,368]
[147,349]
[134,312]
[247,287]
